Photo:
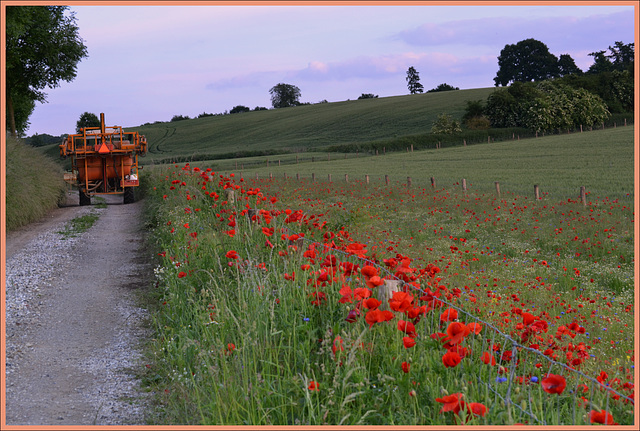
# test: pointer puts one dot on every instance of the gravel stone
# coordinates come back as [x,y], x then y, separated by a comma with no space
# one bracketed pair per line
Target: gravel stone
[73,331]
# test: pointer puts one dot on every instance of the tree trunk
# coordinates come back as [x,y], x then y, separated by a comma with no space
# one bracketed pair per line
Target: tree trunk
[10,114]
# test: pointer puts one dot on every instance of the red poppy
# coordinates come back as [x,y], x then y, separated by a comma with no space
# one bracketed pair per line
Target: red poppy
[408,342]
[401,301]
[357,249]
[487,358]
[375,316]
[554,384]
[474,327]
[314,386]
[451,359]
[182,274]
[290,277]
[371,303]
[268,231]
[451,403]
[231,347]
[477,409]
[449,315]
[347,294]
[407,327]
[603,417]
[337,345]
[232,254]
[374,281]
[405,367]
[456,331]
[362,293]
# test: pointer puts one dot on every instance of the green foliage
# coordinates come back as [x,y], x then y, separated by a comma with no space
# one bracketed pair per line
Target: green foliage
[87,119]
[39,140]
[443,87]
[413,81]
[478,123]
[567,66]
[285,95]
[179,118]
[615,88]
[43,48]
[446,125]
[527,60]
[368,96]
[34,184]
[239,108]
[260,108]
[474,108]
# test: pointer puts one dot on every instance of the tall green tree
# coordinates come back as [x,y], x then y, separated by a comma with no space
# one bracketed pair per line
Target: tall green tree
[526,61]
[284,95]
[413,81]
[43,48]
[622,56]
[567,66]
[87,119]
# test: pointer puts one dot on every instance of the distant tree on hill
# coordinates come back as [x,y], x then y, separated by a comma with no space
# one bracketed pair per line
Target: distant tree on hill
[180,117]
[204,114]
[285,95]
[567,66]
[260,108]
[443,87]
[526,61]
[87,119]
[239,108]
[368,96]
[413,81]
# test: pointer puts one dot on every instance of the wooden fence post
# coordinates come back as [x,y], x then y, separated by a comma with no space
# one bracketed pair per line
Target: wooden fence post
[231,197]
[433,183]
[298,177]
[329,177]
[408,181]
[278,162]
[270,176]
[536,191]
[583,196]
[498,188]
[346,178]
[385,292]
[366,177]
[412,148]
[313,176]
[386,179]
[464,184]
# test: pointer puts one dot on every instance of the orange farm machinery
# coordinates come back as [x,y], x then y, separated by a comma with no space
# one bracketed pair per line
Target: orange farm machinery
[104,160]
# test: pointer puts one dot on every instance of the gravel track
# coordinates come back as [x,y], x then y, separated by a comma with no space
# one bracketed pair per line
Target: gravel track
[73,331]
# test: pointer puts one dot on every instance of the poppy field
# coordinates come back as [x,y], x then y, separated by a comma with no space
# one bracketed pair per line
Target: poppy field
[298,302]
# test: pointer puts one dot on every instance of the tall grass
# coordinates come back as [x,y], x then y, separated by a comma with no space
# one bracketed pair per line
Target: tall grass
[241,340]
[34,184]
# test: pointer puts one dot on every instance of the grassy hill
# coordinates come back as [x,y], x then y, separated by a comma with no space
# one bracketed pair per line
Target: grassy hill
[306,127]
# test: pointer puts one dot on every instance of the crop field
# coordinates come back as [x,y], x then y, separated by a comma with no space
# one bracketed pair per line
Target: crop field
[284,301]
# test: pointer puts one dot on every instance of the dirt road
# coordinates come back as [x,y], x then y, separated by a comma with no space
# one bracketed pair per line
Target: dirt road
[73,329]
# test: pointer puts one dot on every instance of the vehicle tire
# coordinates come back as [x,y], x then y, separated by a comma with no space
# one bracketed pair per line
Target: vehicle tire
[129,197]
[84,199]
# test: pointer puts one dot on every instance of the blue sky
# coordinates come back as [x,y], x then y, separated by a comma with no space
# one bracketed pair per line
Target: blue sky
[148,63]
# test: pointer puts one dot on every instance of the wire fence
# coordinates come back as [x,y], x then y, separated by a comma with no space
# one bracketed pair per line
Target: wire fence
[520,394]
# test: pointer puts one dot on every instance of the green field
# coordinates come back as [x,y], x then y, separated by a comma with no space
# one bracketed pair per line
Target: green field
[601,161]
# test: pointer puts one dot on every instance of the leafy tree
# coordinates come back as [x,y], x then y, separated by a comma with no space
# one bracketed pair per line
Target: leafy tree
[23,107]
[239,108]
[601,63]
[474,108]
[443,87]
[284,95]
[204,114]
[567,66]
[368,96]
[527,60]
[179,117]
[42,49]
[622,56]
[260,108]
[507,106]
[413,81]
[444,124]
[87,120]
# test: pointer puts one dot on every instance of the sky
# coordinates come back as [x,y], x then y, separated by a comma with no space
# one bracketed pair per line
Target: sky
[148,63]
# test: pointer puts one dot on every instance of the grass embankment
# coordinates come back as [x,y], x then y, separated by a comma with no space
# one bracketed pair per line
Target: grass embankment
[243,340]
[34,184]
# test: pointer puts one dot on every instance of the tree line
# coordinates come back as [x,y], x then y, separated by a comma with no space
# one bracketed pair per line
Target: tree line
[537,89]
